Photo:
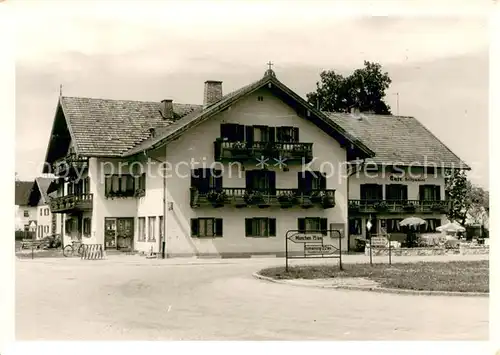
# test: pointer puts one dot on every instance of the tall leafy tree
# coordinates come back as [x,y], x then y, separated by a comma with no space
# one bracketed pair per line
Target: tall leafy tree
[364,88]
[465,199]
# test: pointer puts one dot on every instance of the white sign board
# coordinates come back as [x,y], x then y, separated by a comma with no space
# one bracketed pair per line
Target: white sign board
[306,238]
[319,249]
[369,225]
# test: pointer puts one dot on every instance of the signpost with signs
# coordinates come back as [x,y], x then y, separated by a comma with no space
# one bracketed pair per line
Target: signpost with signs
[316,245]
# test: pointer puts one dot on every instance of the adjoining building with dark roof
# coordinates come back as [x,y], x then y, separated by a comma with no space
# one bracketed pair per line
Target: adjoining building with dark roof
[232,175]
[32,207]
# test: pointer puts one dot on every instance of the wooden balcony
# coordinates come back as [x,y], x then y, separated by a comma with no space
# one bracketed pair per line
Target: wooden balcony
[398,206]
[283,198]
[71,203]
[243,151]
[70,165]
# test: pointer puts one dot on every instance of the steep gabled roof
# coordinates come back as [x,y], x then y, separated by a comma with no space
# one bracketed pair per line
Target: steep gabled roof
[269,80]
[22,192]
[398,140]
[38,191]
[43,185]
[111,127]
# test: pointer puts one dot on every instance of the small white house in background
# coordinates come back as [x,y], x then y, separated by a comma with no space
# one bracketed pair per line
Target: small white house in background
[24,212]
[107,155]
[38,200]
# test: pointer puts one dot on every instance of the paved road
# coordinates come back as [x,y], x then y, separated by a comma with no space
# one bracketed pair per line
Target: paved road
[138,299]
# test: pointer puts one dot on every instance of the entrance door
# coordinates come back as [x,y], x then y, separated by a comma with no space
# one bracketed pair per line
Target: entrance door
[119,233]
[110,233]
[125,233]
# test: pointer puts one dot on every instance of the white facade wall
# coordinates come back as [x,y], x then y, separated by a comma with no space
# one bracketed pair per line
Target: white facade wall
[198,144]
[44,221]
[21,219]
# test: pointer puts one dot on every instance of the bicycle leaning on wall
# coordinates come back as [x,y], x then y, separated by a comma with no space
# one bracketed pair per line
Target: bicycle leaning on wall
[74,247]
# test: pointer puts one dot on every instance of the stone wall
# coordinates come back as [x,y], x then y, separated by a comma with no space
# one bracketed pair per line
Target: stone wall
[463,250]
[474,249]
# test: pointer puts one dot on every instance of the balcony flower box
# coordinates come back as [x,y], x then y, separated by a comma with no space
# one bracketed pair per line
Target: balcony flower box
[139,193]
[438,207]
[353,206]
[328,201]
[287,200]
[253,198]
[317,196]
[217,197]
[409,207]
[239,148]
[381,206]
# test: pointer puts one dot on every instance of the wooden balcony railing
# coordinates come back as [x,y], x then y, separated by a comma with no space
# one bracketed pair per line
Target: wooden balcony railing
[241,151]
[71,163]
[242,197]
[71,203]
[398,206]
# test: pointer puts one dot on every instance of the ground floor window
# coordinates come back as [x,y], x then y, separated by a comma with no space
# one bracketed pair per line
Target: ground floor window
[46,229]
[160,226]
[206,227]
[312,224]
[260,227]
[86,226]
[151,229]
[355,226]
[430,227]
[141,237]
[393,225]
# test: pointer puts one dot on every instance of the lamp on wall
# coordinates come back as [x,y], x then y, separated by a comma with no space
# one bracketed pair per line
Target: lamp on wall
[170,206]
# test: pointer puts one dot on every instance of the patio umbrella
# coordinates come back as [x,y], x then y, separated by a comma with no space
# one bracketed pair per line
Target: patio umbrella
[412,222]
[451,227]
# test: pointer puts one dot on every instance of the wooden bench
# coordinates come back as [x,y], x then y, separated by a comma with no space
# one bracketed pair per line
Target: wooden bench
[31,244]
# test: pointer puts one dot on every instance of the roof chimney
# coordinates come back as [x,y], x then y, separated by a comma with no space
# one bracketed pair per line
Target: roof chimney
[167,109]
[213,92]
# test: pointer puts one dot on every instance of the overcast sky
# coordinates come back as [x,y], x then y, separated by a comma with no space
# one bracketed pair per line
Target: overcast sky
[156,50]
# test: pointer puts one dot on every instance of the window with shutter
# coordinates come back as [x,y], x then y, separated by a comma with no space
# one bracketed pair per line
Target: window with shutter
[194,227]
[161,225]
[107,184]
[260,227]
[285,134]
[206,227]
[301,225]
[370,192]
[295,134]
[249,136]
[248,227]
[272,227]
[229,132]
[141,229]
[151,229]
[323,225]
[218,227]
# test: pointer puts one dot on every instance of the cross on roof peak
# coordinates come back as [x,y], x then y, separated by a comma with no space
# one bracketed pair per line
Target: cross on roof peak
[270,71]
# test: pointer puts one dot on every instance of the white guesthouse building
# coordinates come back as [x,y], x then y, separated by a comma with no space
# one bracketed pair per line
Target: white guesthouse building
[218,197]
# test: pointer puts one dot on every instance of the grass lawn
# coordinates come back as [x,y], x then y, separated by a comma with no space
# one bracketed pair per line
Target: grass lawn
[458,276]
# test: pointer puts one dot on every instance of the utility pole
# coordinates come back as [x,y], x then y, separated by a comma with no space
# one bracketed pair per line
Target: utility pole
[397,100]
